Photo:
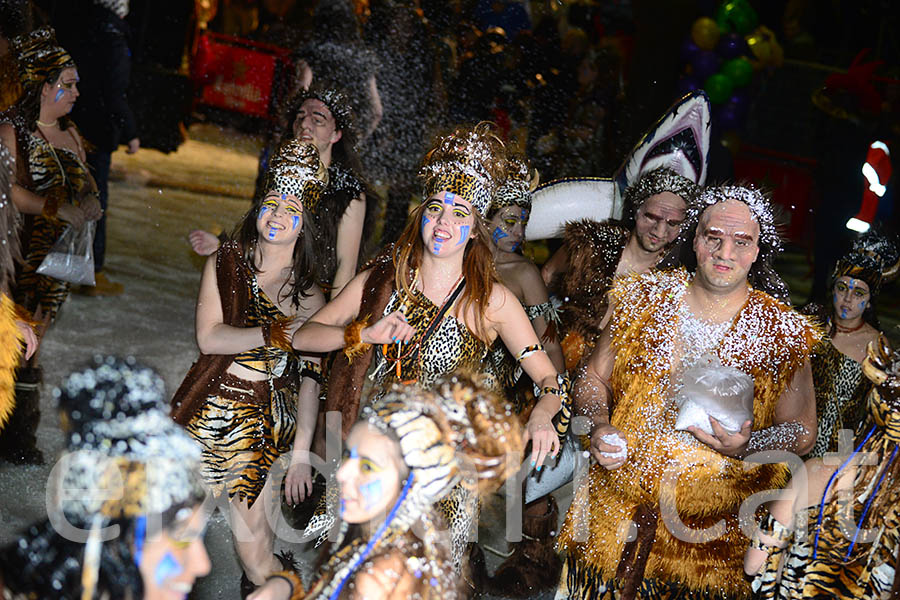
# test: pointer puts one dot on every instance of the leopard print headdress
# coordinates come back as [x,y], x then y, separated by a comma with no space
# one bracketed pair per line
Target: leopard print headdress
[296,169]
[469,162]
[520,182]
[874,258]
[39,56]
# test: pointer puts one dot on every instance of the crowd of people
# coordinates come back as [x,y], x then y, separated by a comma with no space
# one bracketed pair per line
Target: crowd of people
[449,357]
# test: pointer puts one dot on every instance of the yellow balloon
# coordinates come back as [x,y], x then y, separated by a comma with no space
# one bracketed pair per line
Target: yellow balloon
[705,33]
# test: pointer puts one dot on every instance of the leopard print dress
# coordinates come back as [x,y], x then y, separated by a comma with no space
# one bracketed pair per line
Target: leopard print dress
[452,346]
[840,395]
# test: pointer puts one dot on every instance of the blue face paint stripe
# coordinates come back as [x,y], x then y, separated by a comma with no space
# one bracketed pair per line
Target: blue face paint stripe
[167,568]
[59,95]
[371,492]
[296,221]
[498,235]
[463,234]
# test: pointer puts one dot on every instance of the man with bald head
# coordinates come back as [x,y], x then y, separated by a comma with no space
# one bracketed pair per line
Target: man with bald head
[657,516]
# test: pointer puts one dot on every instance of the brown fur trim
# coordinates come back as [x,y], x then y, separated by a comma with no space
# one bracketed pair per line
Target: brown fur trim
[353,344]
[345,381]
[594,251]
[278,334]
[205,374]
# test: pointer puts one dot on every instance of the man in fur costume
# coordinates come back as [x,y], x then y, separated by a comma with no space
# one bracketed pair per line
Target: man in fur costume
[594,253]
[657,516]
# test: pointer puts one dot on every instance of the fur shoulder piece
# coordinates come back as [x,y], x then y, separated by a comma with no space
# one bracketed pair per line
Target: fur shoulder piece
[771,333]
[344,180]
[587,231]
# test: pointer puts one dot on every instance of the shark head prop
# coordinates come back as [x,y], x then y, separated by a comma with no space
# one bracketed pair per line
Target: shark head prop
[679,141]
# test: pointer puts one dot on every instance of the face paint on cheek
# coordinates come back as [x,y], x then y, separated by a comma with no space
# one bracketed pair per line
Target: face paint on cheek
[59,95]
[295,220]
[463,234]
[371,493]
[262,212]
[862,305]
[498,235]
[167,568]
[343,506]
[425,221]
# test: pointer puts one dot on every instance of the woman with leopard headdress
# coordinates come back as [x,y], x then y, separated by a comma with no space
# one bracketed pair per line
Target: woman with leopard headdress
[432,304]
[851,322]
[53,188]
[250,398]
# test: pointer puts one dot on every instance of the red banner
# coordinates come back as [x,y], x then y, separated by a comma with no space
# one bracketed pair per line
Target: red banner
[233,76]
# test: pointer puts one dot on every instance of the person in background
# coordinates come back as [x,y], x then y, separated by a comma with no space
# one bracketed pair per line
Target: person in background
[103,115]
[128,469]
[52,187]
[851,323]
[407,454]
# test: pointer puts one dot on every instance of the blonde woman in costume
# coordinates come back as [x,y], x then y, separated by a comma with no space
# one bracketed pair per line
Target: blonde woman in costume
[851,323]
[128,470]
[250,397]
[407,452]
[837,535]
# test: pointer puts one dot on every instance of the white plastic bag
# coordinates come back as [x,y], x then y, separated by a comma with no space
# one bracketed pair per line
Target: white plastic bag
[72,256]
[723,393]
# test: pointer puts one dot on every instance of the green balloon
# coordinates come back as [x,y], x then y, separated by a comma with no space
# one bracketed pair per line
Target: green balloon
[736,15]
[718,87]
[739,70]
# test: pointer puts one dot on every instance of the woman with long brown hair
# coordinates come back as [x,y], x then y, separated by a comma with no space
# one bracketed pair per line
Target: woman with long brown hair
[251,398]
[432,303]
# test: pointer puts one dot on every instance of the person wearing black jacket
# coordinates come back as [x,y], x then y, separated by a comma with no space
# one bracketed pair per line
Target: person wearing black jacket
[104,117]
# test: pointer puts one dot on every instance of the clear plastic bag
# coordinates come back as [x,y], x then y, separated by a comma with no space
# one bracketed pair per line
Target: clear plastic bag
[72,256]
[723,393]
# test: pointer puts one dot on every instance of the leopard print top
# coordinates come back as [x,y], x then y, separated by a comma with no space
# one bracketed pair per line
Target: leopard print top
[452,346]
[840,395]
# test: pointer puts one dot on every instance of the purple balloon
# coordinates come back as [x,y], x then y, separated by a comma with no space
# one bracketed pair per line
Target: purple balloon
[705,64]
[687,84]
[740,101]
[728,117]
[731,45]
[689,50]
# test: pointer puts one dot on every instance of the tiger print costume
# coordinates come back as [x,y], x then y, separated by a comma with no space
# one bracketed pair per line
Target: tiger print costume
[54,172]
[819,555]
[243,426]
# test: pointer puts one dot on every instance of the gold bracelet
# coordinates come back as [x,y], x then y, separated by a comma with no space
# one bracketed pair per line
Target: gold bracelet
[353,344]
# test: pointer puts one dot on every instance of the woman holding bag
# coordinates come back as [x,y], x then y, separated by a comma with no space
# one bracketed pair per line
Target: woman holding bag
[52,188]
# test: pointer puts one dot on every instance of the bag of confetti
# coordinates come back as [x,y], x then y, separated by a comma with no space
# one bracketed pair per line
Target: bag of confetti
[72,256]
[723,393]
